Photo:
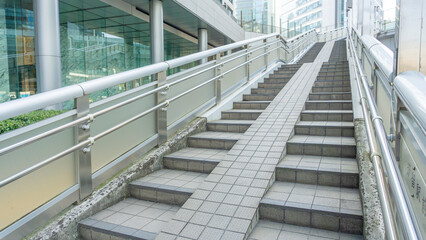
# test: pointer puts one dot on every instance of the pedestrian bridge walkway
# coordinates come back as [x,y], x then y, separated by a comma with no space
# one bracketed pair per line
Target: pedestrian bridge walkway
[270,139]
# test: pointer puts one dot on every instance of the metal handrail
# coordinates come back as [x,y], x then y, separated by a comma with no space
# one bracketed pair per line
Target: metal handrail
[411,89]
[397,190]
[123,103]
[89,87]
[38,101]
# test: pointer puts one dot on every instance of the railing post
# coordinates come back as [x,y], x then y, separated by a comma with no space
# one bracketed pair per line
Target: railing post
[218,81]
[265,42]
[84,156]
[247,62]
[278,48]
[162,112]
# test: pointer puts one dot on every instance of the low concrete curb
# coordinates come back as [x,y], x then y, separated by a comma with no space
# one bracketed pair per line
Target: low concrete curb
[373,219]
[64,227]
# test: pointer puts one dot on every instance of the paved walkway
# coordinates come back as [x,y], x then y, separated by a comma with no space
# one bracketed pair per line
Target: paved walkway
[225,205]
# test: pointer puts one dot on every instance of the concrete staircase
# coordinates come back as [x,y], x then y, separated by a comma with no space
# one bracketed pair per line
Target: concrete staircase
[155,198]
[316,193]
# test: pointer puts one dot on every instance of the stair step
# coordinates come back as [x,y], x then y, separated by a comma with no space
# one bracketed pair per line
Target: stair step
[323,207]
[320,128]
[318,170]
[334,73]
[258,97]
[265,90]
[328,105]
[333,78]
[327,115]
[241,114]
[332,89]
[330,96]
[128,219]
[322,146]
[167,186]
[202,160]
[215,140]
[239,126]
[272,230]
[272,85]
[325,83]
[260,105]
[277,80]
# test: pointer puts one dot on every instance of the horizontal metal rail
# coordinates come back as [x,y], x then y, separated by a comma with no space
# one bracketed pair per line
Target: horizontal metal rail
[91,117]
[88,143]
[394,179]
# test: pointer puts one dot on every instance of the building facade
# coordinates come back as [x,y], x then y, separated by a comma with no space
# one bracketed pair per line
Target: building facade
[229,5]
[97,38]
[299,16]
[257,15]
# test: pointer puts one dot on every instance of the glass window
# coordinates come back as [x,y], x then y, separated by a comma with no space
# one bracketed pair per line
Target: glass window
[17,61]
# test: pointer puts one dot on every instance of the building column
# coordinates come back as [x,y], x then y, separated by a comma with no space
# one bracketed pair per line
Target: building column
[203,42]
[157,34]
[47,44]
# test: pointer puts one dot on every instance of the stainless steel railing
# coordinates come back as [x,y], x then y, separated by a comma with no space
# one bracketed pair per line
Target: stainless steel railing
[88,125]
[399,219]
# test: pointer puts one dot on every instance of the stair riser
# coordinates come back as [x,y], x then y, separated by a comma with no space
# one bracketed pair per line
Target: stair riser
[167,196]
[218,127]
[346,151]
[332,83]
[310,218]
[258,97]
[276,80]
[332,117]
[189,165]
[331,89]
[328,106]
[211,143]
[330,72]
[324,131]
[334,96]
[271,85]
[333,179]
[105,232]
[240,115]
[265,90]
[331,78]
[255,106]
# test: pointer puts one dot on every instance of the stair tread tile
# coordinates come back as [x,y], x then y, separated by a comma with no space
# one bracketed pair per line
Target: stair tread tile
[171,179]
[218,135]
[199,154]
[336,200]
[131,218]
[319,163]
[325,124]
[243,111]
[327,111]
[265,229]
[328,140]
[251,102]
[329,101]
[226,121]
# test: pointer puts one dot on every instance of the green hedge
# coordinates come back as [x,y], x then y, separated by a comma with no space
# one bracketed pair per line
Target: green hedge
[26,119]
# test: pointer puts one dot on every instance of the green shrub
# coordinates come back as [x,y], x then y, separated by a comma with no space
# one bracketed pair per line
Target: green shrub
[27,119]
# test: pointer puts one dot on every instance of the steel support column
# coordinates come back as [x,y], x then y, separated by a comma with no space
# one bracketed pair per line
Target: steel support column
[157,31]
[47,45]
[203,41]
